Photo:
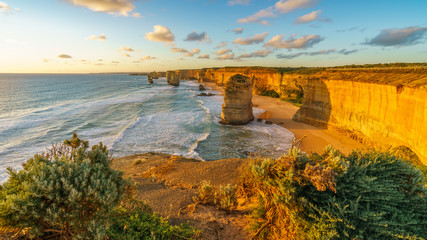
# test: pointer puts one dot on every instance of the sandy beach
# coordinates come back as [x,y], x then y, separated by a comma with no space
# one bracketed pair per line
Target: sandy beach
[315,138]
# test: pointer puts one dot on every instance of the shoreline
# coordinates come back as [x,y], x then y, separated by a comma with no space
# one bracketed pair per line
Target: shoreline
[315,138]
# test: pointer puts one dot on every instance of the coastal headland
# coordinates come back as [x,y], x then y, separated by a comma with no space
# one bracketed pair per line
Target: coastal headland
[377,107]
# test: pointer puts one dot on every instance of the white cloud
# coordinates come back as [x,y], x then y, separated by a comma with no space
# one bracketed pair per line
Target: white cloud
[5,8]
[126,49]
[238,30]
[398,37]
[117,7]
[64,56]
[293,43]
[195,50]
[321,52]
[145,58]
[221,45]
[101,37]
[126,55]
[308,17]
[286,6]
[257,17]
[257,38]
[204,56]
[229,56]
[223,51]
[281,7]
[238,2]
[259,53]
[179,50]
[160,34]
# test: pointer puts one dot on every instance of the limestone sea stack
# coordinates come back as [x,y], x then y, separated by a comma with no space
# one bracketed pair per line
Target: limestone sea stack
[150,80]
[237,107]
[173,78]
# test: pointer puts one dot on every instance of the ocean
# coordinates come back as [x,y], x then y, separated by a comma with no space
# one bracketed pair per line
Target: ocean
[127,114]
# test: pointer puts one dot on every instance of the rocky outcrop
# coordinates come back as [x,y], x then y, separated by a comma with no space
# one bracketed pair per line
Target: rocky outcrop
[377,114]
[173,78]
[202,87]
[237,107]
[380,107]
[150,80]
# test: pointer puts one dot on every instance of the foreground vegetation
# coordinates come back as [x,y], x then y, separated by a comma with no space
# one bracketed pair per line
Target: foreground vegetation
[71,192]
[370,195]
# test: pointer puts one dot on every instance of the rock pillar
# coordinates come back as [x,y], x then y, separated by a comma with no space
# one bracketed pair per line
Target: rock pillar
[173,78]
[237,107]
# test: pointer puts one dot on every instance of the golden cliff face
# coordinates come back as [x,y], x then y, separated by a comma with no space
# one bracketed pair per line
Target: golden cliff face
[381,108]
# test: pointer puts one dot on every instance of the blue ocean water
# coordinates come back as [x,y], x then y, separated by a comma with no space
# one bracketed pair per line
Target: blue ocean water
[125,113]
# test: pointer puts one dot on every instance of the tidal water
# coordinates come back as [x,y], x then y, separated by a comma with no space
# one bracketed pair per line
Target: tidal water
[127,114]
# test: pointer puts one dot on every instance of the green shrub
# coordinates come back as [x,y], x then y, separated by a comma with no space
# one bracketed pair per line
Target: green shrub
[370,195]
[70,190]
[224,197]
[270,93]
[139,224]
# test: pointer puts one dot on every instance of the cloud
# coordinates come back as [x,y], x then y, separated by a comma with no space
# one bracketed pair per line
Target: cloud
[308,17]
[223,51]
[259,53]
[126,55]
[195,50]
[398,37]
[145,58]
[347,52]
[238,2]
[321,52]
[117,7]
[204,56]
[101,37]
[182,50]
[64,56]
[221,45]
[257,17]
[287,6]
[179,50]
[6,9]
[126,49]
[199,37]
[238,30]
[281,7]
[257,38]
[229,56]
[115,62]
[293,43]
[181,59]
[160,34]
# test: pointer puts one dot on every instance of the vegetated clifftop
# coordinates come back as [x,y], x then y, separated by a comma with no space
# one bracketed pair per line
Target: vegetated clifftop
[381,107]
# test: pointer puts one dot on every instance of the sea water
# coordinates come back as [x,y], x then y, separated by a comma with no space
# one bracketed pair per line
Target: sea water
[127,114]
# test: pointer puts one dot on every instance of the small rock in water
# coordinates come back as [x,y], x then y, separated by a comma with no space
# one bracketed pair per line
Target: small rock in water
[206,94]
[268,122]
[201,87]
[259,120]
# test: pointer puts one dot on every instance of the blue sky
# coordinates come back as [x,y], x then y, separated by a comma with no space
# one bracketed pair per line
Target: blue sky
[79,36]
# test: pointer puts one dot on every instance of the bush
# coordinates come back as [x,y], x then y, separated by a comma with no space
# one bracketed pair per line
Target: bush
[224,197]
[370,195]
[69,190]
[270,93]
[140,224]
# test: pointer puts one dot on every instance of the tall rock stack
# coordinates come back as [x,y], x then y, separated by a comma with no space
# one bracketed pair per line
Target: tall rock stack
[150,80]
[237,107]
[173,78]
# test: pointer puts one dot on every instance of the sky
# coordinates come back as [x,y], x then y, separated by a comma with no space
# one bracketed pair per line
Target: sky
[91,36]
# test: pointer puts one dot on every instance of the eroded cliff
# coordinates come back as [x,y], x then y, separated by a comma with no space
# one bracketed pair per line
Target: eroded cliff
[380,107]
